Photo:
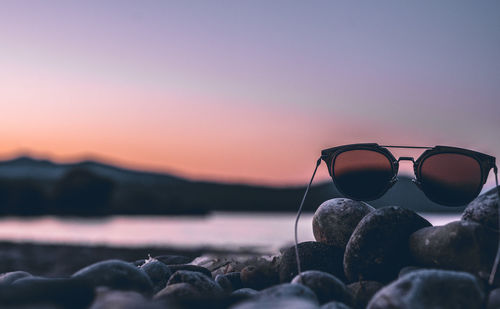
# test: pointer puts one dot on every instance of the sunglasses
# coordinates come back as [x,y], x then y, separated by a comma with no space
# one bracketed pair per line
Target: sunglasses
[448,176]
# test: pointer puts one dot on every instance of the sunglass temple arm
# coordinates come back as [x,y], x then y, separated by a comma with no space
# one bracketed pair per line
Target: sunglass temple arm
[497,258]
[318,162]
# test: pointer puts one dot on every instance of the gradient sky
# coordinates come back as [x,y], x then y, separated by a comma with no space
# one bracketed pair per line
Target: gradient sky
[244,91]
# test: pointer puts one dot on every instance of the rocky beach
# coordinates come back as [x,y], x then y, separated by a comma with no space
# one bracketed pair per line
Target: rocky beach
[362,258]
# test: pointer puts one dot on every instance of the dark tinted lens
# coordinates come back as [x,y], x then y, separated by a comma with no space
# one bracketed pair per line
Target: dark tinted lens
[362,174]
[451,179]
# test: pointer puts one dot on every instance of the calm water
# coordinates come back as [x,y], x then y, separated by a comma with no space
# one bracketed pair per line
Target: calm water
[224,230]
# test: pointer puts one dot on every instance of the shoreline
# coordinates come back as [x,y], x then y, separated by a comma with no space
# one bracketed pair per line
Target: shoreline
[60,260]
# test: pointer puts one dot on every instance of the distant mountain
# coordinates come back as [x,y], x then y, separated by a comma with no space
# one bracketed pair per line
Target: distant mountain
[30,168]
[31,187]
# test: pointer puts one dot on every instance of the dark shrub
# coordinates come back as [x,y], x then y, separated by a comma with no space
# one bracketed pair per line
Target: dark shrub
[81,192]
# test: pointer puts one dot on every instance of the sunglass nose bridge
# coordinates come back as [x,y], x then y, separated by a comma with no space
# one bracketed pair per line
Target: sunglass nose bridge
[406,159]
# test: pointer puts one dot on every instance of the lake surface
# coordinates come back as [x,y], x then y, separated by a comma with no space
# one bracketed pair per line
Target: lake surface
[269,231]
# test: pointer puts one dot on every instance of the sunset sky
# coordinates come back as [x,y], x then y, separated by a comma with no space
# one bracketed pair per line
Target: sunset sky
[244,91]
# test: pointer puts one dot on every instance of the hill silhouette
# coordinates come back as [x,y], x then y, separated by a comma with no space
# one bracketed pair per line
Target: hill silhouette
[34,187]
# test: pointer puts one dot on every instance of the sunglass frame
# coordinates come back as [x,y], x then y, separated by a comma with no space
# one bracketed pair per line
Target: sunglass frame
[486,163]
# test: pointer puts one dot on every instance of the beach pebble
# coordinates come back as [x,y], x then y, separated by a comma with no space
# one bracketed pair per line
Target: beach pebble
[326,286]
[313,256]
[116,274]
[259,276]
[206,286]
[178,292]
[335,220]
[245,292]
[8,278]
[434,288]
[335,305]
[378,247]
[188,267]
[288,290]
[493,299]
[289,303]
[363,291]
[483,209]
[121,300]
[158,272]
[459,245]
[235,279]
[224,283]
[173,259]
[66,293]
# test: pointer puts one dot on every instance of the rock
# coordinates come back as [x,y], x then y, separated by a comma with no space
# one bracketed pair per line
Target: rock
[335,220]
[326,286]
[205,286]
[459,245]
[289,303]
[493,299]
[313,256]
[8,278]
[235,279]
[158,272]
[407,270]
[259,276]
[188,267]
[335,305]
[116,274]
[178,292]
[378,247]
[224,283]
[245,292]
[66,293]
[431,289]
[483,210]
[173,259]
[288,290]
[363,291]
[121,300]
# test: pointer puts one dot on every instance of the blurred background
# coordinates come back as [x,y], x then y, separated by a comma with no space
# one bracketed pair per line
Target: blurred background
[219,109]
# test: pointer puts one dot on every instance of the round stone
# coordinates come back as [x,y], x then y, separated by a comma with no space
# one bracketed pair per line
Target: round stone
[158,272]
[178,292]
[326,286]
[116,274]
[288,290]
[363,291]
[259,276]
[206,286]
[292,303]
[224,283]
[334,305]
[493,299]
[434,288]
[378,247]
[313,256]
[484,209]
[245,293]
[459,245]
[121,300]
[235,279]
[335,220]
[8,278]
